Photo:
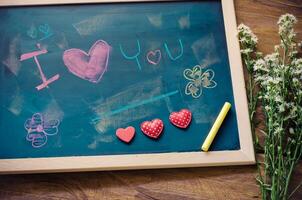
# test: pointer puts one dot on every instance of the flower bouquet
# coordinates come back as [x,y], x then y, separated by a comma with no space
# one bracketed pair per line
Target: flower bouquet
[274,83]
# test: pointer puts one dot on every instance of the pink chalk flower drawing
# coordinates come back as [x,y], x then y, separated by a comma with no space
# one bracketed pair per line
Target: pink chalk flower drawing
[38,129]
[89,66]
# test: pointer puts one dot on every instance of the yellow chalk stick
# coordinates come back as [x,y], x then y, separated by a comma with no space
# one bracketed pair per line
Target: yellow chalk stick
[224,111]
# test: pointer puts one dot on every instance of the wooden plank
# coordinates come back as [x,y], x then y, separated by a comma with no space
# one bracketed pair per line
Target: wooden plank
[199,183]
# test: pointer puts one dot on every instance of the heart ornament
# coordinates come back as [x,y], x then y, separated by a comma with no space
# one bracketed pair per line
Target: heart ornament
[126,134]
[89,66]
[152,129]
[154,57]
[181,119]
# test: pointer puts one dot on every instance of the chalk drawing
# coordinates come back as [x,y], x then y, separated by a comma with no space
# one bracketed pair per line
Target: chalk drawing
[134,57]
[154,57]
[38,129]
[45,29]
[89,66]
[180,53]
[34,55]
[198,80]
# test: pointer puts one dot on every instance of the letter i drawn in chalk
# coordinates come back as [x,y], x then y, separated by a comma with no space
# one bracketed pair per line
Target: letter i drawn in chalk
[34,54]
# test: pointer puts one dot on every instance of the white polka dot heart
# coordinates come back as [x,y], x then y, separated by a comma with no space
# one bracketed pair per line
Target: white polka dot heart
[181,119]
[153,128]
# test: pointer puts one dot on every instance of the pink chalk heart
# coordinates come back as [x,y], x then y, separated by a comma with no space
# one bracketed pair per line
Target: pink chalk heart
[125,134]
[91,66]
[154,57]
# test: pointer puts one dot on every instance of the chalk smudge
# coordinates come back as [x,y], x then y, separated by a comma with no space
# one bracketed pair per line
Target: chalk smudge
[53,111]
[169,104]
[205,51]
[101,138]
[132,95]
[32,32]
[63,43]
[16,104]
[155,20]
[153,45]
[184,22]
[96,23]
[90,25]
[202,114]
[12,61]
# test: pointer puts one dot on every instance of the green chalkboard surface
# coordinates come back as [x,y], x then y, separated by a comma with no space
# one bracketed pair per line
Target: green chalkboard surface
[71,75]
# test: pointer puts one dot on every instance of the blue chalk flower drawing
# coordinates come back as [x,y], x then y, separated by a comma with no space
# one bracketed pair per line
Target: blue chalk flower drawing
[198,79]
[38,130]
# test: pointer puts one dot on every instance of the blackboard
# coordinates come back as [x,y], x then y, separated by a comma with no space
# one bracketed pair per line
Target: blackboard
[148,61]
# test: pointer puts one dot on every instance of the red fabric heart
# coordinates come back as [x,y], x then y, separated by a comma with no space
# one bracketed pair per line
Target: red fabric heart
[153,128]
[181,119]
[125,134]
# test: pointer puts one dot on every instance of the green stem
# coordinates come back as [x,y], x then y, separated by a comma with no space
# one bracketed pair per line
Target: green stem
[293,163]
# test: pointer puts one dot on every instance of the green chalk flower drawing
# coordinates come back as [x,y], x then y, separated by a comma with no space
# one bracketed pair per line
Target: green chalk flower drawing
[198,80]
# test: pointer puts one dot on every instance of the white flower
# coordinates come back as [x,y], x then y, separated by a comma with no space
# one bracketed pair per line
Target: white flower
[279,129]
[272,59]
[286,22]
[260,65]
[246,51]
[246,36]
[278,98]
[281,108]
[295,80]
[277,48]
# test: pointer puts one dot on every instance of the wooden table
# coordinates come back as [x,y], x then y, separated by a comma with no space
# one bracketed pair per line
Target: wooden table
[195,183]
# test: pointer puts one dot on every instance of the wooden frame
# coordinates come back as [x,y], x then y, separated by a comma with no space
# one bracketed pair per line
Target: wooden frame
[157,160]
